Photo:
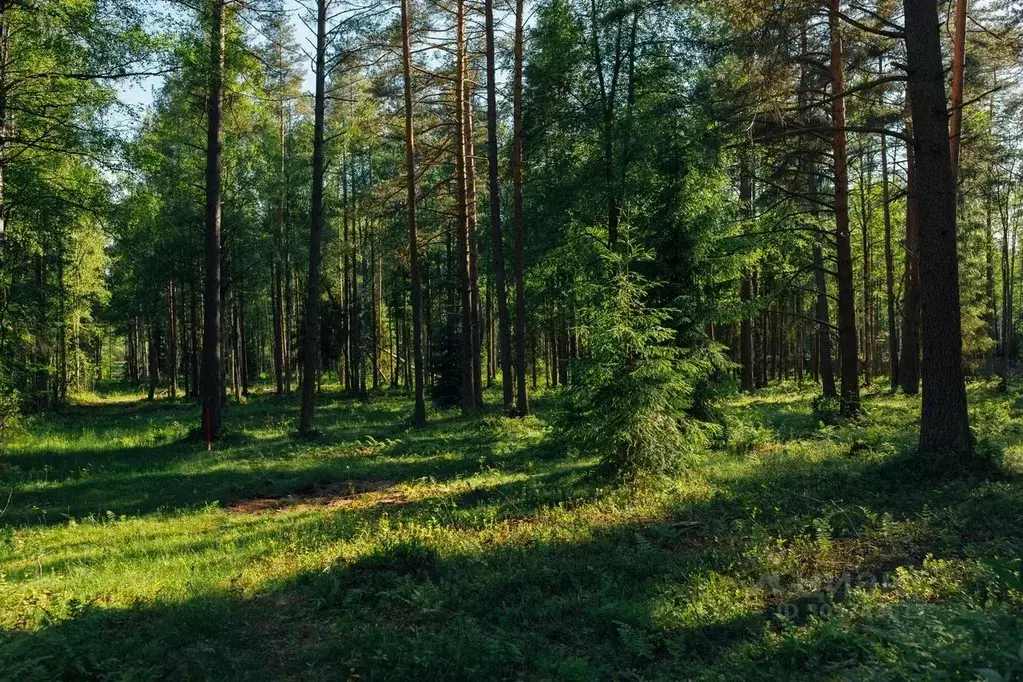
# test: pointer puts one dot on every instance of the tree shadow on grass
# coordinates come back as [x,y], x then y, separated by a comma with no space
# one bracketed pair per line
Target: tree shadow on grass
[92,469]
[578,607]
[143,480]
[661,598]
[585,598]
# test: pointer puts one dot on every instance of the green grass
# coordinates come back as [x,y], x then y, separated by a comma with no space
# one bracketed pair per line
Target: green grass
[472,550]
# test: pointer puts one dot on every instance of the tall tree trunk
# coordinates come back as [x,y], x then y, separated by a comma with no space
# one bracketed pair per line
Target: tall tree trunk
[60,387]
[944,422]
[363,298]
[469,129]
[958,81]
[226,326]
[311,349]
[289,317]
[419,411]
[211,369]
[850,394]
[496,237]
[909,357]
[236,352]
[775,325]
[991,307]
[277,294]
[824,354]
[797,307]
[4,116]
[746,337]
[153,359]
[488,325]
[822,366]
[866,172]
[746,287]
[607,91]
[1009,306]
[186,350]
[193,311]
[344,271]
[172,340]
[468,392]
[243,344]
[521,399]
[1007,266]
[763,365]
[374,312]
[889,270]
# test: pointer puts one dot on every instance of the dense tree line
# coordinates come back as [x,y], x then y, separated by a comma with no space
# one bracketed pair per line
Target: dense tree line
[644,202]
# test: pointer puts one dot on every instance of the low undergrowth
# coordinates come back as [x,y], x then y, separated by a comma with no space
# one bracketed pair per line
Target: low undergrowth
[790,549]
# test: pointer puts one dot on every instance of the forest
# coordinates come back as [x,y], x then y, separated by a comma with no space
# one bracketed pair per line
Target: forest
[559,339]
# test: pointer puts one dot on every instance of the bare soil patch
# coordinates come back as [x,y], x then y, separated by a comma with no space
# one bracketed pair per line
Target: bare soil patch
[352,493]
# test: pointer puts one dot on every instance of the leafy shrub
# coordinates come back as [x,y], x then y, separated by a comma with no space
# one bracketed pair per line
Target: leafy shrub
[827,409]
[630,397]
[744,434]
[9,412]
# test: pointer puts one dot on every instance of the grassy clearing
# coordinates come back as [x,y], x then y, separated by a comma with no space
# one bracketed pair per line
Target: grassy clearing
[469,549]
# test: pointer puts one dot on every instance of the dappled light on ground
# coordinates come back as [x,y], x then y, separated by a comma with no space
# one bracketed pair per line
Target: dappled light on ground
[471,549]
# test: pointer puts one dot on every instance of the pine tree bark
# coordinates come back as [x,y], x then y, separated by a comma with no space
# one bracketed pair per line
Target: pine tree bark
[419,411]
[469,128]
[172,340]
[1007,292]
[311,348]
[289,317]
[607,90]
[345,272]
[944,421]
[496,236]
[746,338]
[850,390]
[278,323]
[825,367]
[4,118]
[374,313]
[279,241]
[236,353]
[153,359]
[865,187]
[958,82]
[462,256]
[193,311]
[521,398]
[746,289]
[212,386]
[909,357]
[822,366]
[991,307]
[889,270]
[243,344]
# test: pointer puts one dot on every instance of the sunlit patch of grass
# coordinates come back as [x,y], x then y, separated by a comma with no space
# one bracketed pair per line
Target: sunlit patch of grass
[471,549]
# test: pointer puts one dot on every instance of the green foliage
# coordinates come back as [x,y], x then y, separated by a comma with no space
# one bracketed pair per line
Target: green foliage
[827,409]
[9,411]
[628,400]
[1008,571]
